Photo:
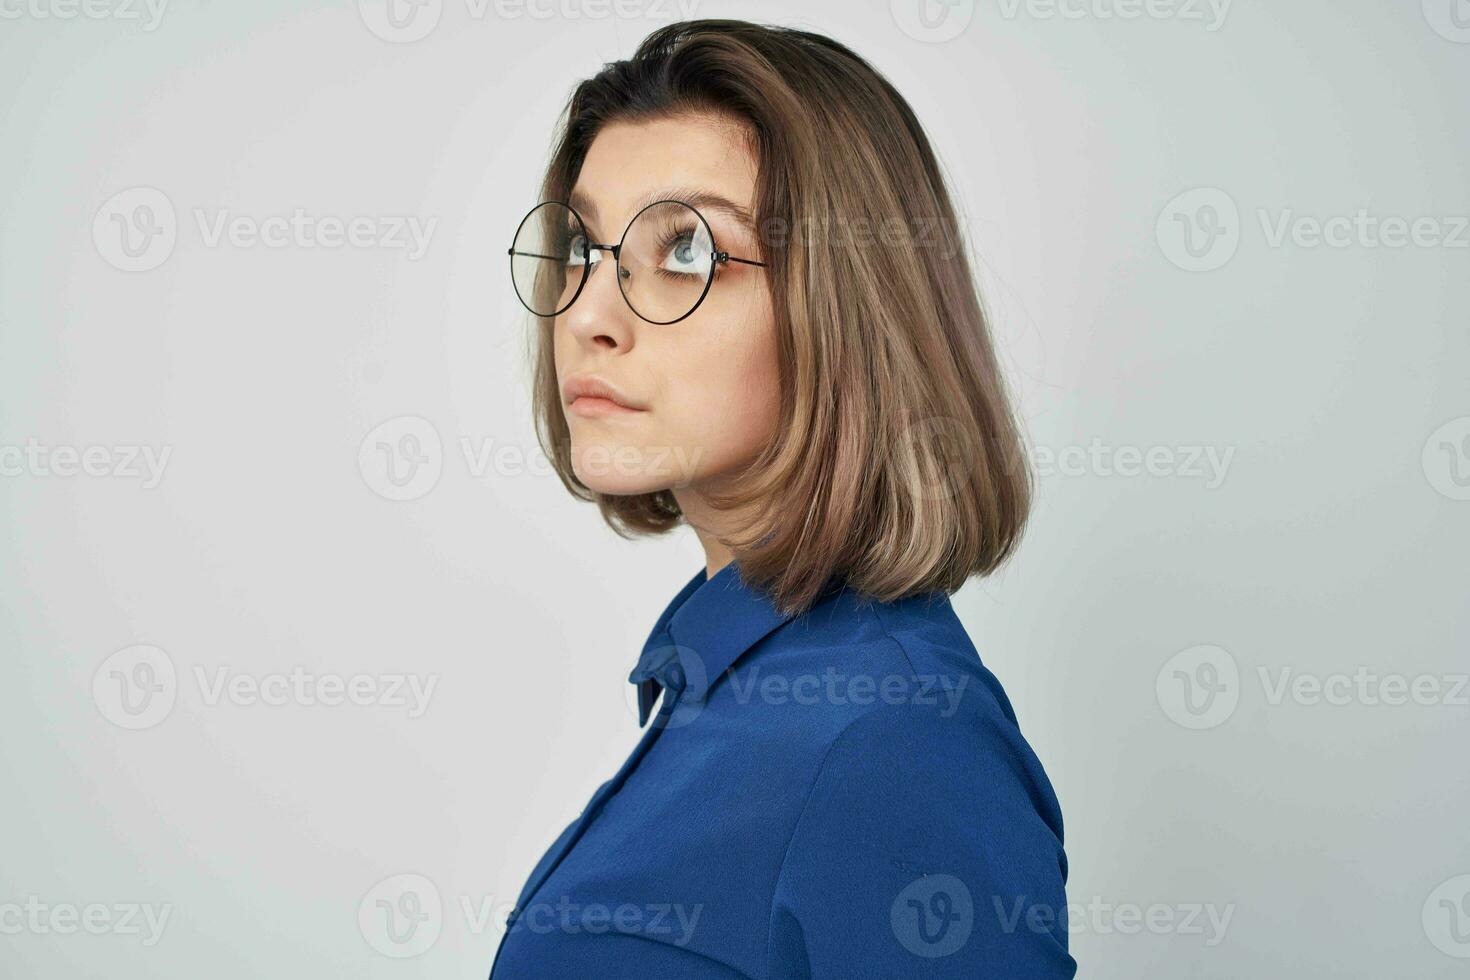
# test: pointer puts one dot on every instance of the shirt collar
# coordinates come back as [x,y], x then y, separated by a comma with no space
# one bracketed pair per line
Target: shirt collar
[707,626]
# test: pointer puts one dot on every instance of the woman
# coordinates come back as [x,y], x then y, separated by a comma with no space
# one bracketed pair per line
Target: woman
[786,353]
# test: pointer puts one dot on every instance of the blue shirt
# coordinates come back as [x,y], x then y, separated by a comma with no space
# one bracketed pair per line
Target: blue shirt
[838,795]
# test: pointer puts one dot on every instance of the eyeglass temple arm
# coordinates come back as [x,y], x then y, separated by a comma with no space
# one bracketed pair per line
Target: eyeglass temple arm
[592,246]
[727,257]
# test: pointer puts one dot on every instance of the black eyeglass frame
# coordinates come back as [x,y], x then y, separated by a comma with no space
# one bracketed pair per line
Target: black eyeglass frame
[716,257]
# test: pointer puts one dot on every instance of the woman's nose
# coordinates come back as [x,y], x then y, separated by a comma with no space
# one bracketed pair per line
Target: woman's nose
[600,315]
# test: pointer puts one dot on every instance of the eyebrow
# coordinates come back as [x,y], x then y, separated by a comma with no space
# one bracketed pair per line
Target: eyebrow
[699,198]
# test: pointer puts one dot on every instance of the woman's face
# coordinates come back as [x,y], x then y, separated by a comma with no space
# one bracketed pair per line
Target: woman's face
[703,391]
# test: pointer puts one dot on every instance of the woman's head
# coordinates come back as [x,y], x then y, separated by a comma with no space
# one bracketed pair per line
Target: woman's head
[836,412]
[705,387]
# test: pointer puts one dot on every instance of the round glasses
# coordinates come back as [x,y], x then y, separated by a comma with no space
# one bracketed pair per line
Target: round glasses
[665,262]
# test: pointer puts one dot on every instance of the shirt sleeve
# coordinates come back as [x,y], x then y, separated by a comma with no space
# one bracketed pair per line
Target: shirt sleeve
[930,846]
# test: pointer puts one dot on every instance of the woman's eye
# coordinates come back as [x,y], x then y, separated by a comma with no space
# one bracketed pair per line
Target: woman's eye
[577,250]
[683,257]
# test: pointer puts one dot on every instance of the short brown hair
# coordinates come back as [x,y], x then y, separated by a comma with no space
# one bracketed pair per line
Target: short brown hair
[898,464]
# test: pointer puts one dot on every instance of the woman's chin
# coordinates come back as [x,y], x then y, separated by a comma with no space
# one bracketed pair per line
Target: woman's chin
[625,470]
[616,480]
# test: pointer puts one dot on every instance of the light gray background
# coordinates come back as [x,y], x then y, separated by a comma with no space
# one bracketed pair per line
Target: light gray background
[1082,143]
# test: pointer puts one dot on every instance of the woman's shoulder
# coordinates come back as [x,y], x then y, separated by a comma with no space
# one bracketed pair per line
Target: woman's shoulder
[913,653]
[911,701]
[932,790]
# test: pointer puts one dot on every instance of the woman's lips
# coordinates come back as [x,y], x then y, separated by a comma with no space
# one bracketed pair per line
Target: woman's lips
[592,407]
